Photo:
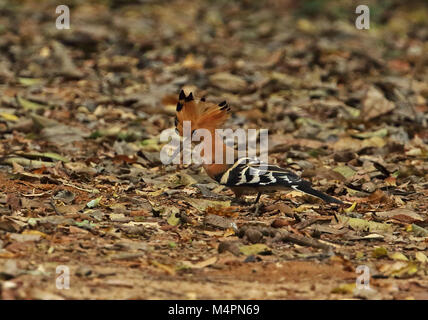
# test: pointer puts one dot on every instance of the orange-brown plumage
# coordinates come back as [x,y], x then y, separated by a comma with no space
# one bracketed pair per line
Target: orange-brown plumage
[204,115]
[201,114]
[245,175]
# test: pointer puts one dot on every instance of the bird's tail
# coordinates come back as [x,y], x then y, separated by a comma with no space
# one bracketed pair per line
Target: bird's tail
[305,186]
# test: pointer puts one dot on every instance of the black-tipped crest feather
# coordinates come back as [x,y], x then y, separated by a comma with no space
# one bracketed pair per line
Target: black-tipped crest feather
[189,97]
[182,95]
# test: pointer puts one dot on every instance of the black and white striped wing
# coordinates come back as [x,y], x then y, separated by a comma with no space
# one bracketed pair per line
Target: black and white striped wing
[252,173]
[248,172]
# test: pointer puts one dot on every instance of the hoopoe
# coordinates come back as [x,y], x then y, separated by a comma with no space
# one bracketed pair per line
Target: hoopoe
[245,175]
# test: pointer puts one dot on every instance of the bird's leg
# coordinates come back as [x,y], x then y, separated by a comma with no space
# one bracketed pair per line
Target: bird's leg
[256,205]
[258,197]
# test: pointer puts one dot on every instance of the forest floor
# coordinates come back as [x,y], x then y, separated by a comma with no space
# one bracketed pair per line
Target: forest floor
[83,192]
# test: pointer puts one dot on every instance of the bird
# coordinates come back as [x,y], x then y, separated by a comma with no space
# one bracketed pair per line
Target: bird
[246,175]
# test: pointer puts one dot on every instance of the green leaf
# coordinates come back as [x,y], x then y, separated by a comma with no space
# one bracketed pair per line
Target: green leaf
[351,208]
[418,231]
[85,224]
[258,248]
[406,271]
[94,203]
[95,134]
[379,253]
[173,220]
[32,222]
[398,256]
[345,171]
[30,105]
[364,225]
[8,116]
[29,81]
[353,112]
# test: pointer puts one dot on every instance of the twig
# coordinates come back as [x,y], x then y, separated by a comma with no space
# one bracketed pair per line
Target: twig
[54,207]
[78,188]
[37,194]
[301,240]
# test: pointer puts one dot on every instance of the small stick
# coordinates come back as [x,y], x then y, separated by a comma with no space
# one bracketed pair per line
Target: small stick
[301,240]
[78,188]
[54,207]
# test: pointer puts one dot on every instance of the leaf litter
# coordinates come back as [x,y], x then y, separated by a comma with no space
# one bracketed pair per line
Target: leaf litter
[82,185]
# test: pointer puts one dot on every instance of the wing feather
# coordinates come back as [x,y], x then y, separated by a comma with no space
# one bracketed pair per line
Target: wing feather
[251,172]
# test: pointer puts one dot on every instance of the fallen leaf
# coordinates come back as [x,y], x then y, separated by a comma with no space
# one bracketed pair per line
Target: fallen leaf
[224,211]
[24,237]
[421,257]
[398,256]
[379,253]
[401,214]
[94,203]
[219,222]
[351,208]
[345,171]
[364,225]
[203,204]
[30,105]
[418,231]
[258,248]
[227,81]
[375,104]
[173,220]
[168,269]
[8,116]
[347,288]
[201,264]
